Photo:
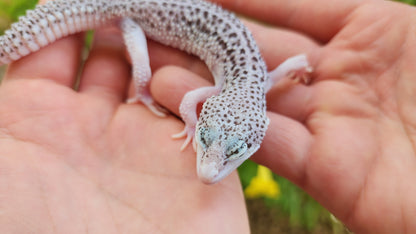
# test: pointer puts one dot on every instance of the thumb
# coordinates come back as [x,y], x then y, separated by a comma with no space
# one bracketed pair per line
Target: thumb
[285,148]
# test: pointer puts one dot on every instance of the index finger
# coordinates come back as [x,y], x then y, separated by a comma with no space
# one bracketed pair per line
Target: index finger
[320,19]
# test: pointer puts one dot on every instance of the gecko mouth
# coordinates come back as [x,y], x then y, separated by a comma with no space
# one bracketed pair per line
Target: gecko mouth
[213,166]
[208,173]
[211,169]
[209,166]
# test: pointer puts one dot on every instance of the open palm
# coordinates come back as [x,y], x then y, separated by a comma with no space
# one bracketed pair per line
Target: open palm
[75,162]
[348,138]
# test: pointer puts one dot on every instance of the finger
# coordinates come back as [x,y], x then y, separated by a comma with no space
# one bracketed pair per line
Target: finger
[276,45]
[321,19]
[285,148]
[161,55]
[291,99]
[171,83]
[58,61]
[107,72]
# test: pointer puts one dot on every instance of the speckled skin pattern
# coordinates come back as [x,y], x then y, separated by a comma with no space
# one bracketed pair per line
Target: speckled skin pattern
[233,123]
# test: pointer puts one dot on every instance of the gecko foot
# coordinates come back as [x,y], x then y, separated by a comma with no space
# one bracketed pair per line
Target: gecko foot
[150,104]
[187,132]
[296,68]
[302,75]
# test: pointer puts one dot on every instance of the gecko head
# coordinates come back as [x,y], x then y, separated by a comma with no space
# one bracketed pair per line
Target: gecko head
[218,155]
[230,129]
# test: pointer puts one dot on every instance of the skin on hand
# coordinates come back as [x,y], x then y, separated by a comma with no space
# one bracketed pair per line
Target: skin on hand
[87,157]
[347,139]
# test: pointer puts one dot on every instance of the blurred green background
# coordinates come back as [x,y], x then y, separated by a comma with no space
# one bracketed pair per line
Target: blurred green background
[10,10]
[275,205]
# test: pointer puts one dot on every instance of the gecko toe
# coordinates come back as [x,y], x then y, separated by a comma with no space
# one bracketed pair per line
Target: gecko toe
[187,132]
[150,104]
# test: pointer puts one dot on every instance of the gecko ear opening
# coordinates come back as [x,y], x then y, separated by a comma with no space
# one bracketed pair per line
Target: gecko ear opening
[236,150]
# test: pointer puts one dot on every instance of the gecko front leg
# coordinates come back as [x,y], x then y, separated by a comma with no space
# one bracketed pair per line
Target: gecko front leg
[296,68]
[188,113]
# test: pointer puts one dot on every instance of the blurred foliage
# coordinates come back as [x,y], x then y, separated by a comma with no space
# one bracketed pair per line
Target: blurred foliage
[301,209]
[411,2]
[10,10]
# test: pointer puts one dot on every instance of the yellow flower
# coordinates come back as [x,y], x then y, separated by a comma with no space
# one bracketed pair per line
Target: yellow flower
[262,185]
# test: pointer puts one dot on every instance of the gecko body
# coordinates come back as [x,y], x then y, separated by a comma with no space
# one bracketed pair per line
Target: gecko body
[232,122]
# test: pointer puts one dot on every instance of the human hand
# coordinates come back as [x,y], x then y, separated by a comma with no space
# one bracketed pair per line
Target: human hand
[348,139]
[83,161]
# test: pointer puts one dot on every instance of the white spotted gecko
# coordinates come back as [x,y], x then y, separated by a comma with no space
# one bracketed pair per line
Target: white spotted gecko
[233,121]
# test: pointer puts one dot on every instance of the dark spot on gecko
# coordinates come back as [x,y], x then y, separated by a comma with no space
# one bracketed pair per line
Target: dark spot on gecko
[230,51]
[236,72]
[232,59]
[205,30]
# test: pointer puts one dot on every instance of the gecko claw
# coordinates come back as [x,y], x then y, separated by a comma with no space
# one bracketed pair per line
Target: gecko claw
[150,104]
[189,134]
[301,75]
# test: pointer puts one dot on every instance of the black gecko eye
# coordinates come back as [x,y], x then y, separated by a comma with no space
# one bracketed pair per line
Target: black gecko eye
[236,150]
